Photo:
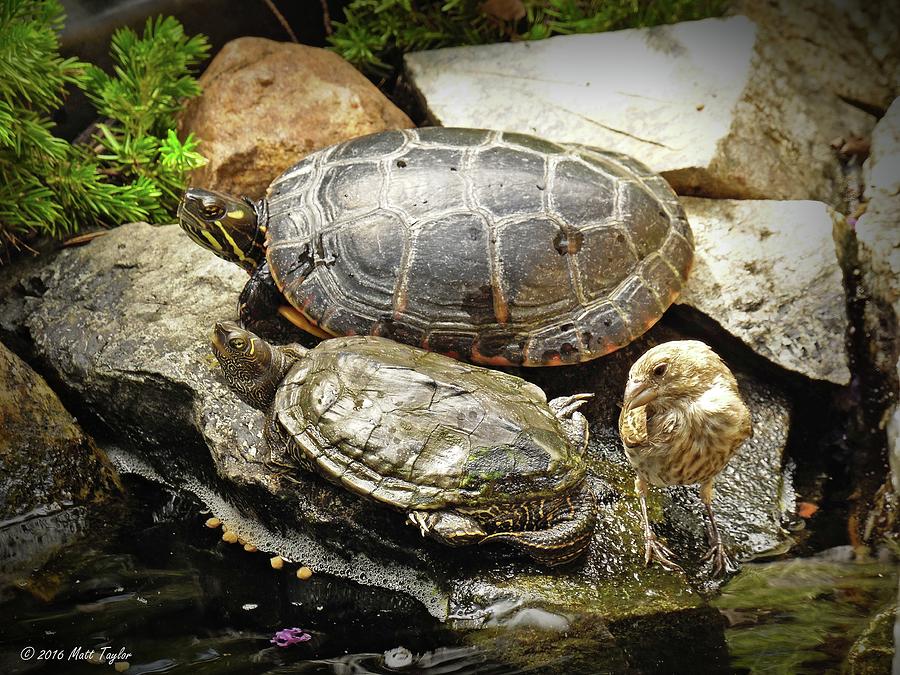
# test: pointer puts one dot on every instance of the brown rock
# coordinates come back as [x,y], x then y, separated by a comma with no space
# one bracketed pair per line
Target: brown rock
[266,105]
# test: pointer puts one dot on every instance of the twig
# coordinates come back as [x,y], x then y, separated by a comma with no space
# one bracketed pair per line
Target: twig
[284,24]
[83,239]
[326,17]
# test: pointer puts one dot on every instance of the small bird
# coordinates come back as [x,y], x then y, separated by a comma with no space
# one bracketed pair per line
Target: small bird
[682,419]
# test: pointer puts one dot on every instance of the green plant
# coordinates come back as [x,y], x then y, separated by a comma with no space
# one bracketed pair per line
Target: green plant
[134,166]
[152,81]
[375,32]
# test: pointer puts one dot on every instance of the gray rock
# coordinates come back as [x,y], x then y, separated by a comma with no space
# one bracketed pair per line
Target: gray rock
[124,323]
[878,239]
[876,24]
[768,273]
[878,257]
[709,104]
[810,34]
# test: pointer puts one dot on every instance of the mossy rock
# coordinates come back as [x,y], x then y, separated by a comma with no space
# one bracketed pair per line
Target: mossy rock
[873,652]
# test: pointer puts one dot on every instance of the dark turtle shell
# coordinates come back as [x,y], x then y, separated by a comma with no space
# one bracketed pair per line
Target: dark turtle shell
[415,429]
[498,248]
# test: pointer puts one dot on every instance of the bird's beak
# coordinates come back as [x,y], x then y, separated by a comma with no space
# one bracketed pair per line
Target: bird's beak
[638,393]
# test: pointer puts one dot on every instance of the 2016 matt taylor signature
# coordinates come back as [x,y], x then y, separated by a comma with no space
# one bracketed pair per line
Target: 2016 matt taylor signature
[100,655]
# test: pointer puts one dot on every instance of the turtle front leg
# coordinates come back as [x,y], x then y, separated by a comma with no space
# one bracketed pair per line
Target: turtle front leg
[574,424]
[260,298]
[448,527]
[568,535]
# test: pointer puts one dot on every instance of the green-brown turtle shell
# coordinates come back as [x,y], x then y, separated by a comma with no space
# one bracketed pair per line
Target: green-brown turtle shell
[493,247]
[415,429]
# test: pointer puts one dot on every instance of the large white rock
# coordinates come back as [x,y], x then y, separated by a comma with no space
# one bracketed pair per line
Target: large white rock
[768,273]
[707,103]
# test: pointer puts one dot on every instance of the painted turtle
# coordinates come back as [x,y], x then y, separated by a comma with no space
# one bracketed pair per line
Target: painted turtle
[492,247]
[471,455]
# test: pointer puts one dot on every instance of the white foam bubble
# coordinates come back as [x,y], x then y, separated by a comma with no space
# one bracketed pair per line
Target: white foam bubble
[297,546]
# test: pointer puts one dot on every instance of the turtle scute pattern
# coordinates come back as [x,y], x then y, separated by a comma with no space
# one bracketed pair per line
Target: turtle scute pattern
[490,246]
[411,428]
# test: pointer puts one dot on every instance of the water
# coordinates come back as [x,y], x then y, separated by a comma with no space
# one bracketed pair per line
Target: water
[150,581]
[157,583]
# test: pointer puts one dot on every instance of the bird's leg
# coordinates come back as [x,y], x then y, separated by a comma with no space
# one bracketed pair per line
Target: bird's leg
[720,560]
[653,547]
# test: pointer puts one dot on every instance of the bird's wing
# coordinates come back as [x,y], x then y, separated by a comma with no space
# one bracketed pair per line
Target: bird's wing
[633,426]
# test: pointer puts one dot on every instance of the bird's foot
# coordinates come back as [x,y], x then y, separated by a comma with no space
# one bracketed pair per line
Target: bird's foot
[654,549]
[721,561]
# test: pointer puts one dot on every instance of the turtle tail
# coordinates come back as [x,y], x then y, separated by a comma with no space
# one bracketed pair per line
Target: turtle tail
[567,536]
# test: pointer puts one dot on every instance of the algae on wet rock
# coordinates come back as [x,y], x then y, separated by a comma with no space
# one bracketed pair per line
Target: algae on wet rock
[826,602]
[874,651]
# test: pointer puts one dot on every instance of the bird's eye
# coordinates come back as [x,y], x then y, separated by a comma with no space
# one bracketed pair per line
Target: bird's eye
[660,370]
[237,343]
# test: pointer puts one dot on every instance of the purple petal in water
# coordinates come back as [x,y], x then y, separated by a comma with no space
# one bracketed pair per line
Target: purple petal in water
[290,636]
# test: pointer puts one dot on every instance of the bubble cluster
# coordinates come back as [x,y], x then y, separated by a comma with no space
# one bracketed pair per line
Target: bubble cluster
[299,547]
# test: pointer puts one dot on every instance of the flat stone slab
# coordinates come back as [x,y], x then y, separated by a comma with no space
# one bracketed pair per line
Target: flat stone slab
[703,102]
[768,273]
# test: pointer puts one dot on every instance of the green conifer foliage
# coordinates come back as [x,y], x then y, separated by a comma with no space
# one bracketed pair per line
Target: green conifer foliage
[133,168]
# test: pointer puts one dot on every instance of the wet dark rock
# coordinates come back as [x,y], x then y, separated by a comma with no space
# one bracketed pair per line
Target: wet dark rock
[590,645]
[49,468]
[124,324]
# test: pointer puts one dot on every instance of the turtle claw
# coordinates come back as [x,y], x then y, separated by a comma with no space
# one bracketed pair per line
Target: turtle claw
[565,406]
[654,549]
[418,519]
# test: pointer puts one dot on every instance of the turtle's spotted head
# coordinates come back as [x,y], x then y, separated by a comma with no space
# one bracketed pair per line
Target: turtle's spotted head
[252,367]
[228,227]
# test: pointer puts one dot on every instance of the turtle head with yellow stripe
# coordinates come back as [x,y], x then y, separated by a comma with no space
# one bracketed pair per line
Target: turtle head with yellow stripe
[231,228]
